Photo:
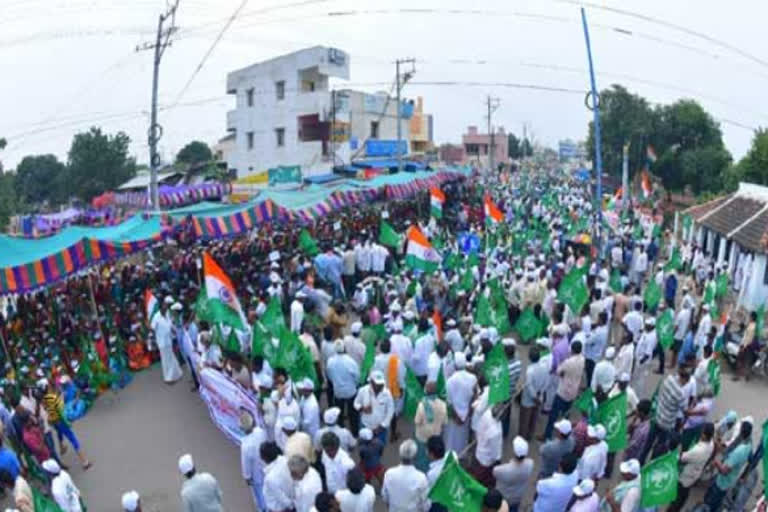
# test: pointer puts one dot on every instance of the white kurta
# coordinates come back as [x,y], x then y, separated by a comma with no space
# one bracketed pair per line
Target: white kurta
[310,415]
[162,326]
[459,390]
[307,490]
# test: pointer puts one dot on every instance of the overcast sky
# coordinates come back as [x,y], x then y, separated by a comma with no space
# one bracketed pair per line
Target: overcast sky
[70,64]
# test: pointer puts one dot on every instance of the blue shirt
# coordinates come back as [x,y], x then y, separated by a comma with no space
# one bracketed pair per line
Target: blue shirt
[670,288]
[9,462]
[688,348]
[344,373]
[554,493]
[329,267]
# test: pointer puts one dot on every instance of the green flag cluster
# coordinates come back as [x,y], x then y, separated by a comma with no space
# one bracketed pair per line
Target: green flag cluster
[496,373]
[665,329]
[528,326]
[307,244]
[573,291]
[455,489]
[659,480]
[612,414]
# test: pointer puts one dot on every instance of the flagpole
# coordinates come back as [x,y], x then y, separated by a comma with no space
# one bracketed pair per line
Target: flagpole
[5,348]
[95,308]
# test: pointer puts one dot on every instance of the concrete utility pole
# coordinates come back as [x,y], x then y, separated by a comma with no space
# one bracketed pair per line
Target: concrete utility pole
[406,76]
[162,41]
[493,105]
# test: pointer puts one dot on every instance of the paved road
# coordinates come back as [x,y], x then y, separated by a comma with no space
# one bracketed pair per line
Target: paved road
[135,437]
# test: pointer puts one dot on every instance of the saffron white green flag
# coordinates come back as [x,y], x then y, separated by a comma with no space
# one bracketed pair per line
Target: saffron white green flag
[223,303]
[151,304]
[420,254]
[436,200]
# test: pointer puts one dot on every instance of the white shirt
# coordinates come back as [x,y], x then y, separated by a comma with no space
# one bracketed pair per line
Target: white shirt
[363,257]
[454,340]
[378,257]
[362,502]
[355,348]
[336,470]
[624,359]
[705,325]
[402,346]
[162,326]
[646,346]
[383,407]
[250,456]
[297,315]
[460,388]
[489,439]
[682,319]
[310,415]
[641,264]
[307,490]
[634,322]
[405,489]
[64,492]
[593,460]
[424,346]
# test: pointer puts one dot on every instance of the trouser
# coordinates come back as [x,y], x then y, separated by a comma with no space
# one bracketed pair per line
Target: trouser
[527,423]
[714,497]
[505,417]
[609,463]
[513,507]
[258,496]
[329,392]
[346,406]
[658,353]
[657,434]
[193,371]
[559,408]
[63,430]
[589,368]
[349,283]
[682,497]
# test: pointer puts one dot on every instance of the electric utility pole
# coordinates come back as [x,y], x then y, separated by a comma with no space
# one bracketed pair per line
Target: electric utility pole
[493,105]
[162,41]
[406,76]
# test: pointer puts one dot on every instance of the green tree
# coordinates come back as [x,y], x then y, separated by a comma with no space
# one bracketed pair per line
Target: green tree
[40,178]
[3,143]
[7,192]
[98,162]
[513,146]
[624,117]
[525,148]
[754,166]
[194,152]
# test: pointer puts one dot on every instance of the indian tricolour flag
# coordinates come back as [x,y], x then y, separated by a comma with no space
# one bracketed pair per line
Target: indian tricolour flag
[437,200]
[223,303]
[151,304]
[492,213]
[420,255]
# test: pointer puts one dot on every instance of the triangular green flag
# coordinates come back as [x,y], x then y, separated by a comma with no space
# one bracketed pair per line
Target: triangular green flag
[232,344]
[765,458]
[615,281]
[289,353]
[665,329]
[413,394]
[659,480]
[467,281]
[43,504]
[573,291]
[528,326]
[713,374]
[496,373]
[388,236]
[307,244]
[202,310]
[483,313]
[273,318]
[652,294]
[368,359]
[612,414]
[455,489]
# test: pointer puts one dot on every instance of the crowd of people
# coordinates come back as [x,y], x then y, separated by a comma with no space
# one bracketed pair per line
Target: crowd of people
[403,356]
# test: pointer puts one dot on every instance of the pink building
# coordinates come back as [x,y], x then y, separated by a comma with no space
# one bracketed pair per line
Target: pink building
[452,154]
[476,146]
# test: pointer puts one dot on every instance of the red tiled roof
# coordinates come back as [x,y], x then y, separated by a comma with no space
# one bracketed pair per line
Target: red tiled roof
[699,210]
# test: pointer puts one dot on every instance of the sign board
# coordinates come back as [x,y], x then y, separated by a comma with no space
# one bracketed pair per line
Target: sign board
[384,148]
[225,400]
[284,174]
[340,131]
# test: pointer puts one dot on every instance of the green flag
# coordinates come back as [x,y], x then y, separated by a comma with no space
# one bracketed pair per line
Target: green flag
[709,292]
[413,394]
[273,318]
[496,373]
[233,343]
[665,329]
[307,244]
[765,458]
[615,281]
[455,489]
[202,310]
[573,291]
[467,281]
[652,294]
[713,373]
[721,285]
[259,340]
[440,384]
[43,504]
[483,312]
[370,354]
[451,261]
[388,236]
[528,326]
[675,261]
[585,401]
[295,357]
[612,414]
[760,322]
[659,480]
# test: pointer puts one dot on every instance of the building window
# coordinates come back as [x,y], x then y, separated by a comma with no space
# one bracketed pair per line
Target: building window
[249,140]
[374,130]
[280,89]
[307,86]
[280,137]
[249,97]
[472,149]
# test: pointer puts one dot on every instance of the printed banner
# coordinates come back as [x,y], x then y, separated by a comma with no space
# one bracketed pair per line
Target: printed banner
[225,400]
